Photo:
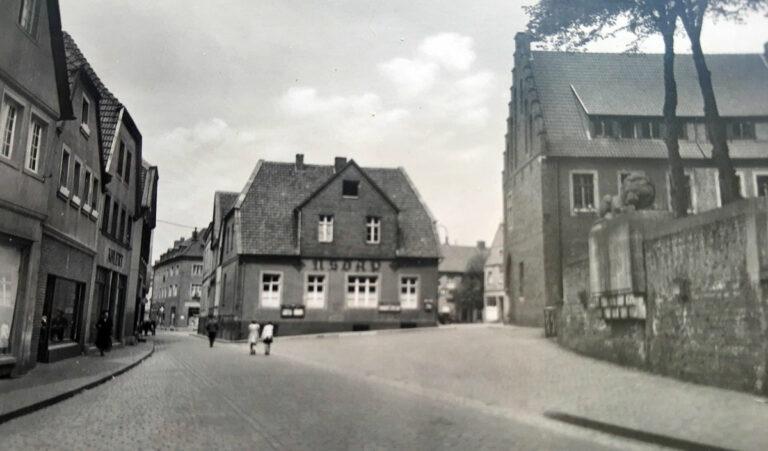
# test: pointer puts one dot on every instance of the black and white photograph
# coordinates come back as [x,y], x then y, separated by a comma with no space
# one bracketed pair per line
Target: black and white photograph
[383,225]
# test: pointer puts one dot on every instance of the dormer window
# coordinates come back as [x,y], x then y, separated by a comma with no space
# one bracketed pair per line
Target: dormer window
[741,130]
[84,111]
[350,188]
[325,229]
[372,230]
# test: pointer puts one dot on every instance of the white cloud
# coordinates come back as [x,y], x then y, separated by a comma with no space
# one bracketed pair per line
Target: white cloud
[411,76]
[303,101]
[451,50]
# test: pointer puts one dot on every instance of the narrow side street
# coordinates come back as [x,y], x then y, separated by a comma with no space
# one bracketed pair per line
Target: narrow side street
[381,391]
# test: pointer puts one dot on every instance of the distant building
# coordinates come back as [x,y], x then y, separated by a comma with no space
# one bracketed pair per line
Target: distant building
[322,248]
[178,282]
[495,295]
[580,122]
[453,267]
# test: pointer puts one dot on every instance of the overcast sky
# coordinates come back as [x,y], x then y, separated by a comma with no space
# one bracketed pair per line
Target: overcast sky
[216,85]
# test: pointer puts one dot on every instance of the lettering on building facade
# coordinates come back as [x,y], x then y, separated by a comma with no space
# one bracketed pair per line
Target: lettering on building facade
[321,264]
[115,258]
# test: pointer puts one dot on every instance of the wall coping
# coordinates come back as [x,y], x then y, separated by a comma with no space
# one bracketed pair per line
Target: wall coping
[672,226]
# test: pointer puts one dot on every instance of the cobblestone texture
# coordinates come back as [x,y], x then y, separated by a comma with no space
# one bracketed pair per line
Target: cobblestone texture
[189,396]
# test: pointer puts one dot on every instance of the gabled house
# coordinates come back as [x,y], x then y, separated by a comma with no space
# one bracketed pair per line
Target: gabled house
[34,95]
[579,123]
[496,303]
[324,248]
[456,262]
[178,284]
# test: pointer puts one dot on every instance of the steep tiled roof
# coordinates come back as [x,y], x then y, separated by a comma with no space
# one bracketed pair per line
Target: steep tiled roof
[496,252]
[268,208]
[185,247]
[631,84]
[109,106]
[456,258]
[226,201]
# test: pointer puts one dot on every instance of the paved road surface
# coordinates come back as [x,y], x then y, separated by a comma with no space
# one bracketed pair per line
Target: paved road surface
[188,396]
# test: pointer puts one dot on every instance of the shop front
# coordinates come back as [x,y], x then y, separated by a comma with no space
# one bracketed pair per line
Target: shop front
[110,290]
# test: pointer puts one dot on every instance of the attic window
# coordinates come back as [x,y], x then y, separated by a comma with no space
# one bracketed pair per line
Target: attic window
[350,188]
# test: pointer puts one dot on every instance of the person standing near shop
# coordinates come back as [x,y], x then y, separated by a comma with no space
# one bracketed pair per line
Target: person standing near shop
[104,333]
[253,336]
[212,327]
[267,335]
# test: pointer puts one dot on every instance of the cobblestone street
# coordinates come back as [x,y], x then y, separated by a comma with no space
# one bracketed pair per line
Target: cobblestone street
[356,392]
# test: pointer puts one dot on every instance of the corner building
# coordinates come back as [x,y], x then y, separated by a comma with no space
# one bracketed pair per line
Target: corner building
[325,248]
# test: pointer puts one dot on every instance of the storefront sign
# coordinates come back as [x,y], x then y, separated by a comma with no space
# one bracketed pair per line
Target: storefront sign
[320,264]
[115,258]
[389,308]
[292,311]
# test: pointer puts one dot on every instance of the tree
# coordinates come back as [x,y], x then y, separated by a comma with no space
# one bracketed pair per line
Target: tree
[575,23]
[469,294]
[692,14]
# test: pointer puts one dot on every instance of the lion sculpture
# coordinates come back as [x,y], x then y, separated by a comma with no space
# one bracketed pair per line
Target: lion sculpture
[636,193]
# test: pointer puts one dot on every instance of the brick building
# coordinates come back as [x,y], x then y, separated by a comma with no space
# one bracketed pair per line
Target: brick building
[323,248]
[496,302]
[579,122]
[178,281]
[454,263]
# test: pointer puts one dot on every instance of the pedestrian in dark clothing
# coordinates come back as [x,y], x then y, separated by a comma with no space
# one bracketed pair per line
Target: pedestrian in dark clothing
[104,333]
[212,327]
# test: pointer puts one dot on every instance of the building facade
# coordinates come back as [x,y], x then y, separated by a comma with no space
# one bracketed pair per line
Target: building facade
[323,248]
[455,262]
[580,122]
[34,94]
[178,282]
[496,303]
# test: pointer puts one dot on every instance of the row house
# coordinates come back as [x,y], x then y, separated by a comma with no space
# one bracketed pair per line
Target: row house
[579,123]
[495,300]
[57,184]
[320,248]
[456,262]
[178,282]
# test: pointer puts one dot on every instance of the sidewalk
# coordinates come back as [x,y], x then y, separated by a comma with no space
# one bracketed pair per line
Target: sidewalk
[48,384]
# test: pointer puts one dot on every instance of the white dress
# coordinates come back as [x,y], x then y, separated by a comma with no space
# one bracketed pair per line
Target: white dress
[253,333]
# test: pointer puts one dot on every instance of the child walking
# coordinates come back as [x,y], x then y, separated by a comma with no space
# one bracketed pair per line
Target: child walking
[253,336]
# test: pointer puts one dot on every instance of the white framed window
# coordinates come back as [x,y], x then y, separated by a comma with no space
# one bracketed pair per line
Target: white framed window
[35,144]
[761,183]
[64,172]
[691,184]
[85,111]
[362,291]
[315,290]
[76,182]
[372,230]
[9,122]
[87,191]
[325,229]
[409,292]
[195,290]
[271,289]
[584,193]
[197,270]
[28,15]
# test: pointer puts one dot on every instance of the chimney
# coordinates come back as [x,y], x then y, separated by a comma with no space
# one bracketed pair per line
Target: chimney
[339,163]
[481,245]
[299,161]
[194,234]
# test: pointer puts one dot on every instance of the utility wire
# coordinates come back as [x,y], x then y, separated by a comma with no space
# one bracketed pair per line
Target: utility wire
[176,224]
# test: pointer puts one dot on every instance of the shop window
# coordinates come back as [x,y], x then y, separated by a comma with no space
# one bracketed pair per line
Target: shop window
[372,230]
[64,302]
[10,261]
[325,229]
[270,290]
[350,188]
[36,142]
[409,292]
[362,291]
[314,292]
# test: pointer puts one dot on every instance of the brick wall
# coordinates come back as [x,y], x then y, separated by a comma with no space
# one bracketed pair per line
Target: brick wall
[706,302]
